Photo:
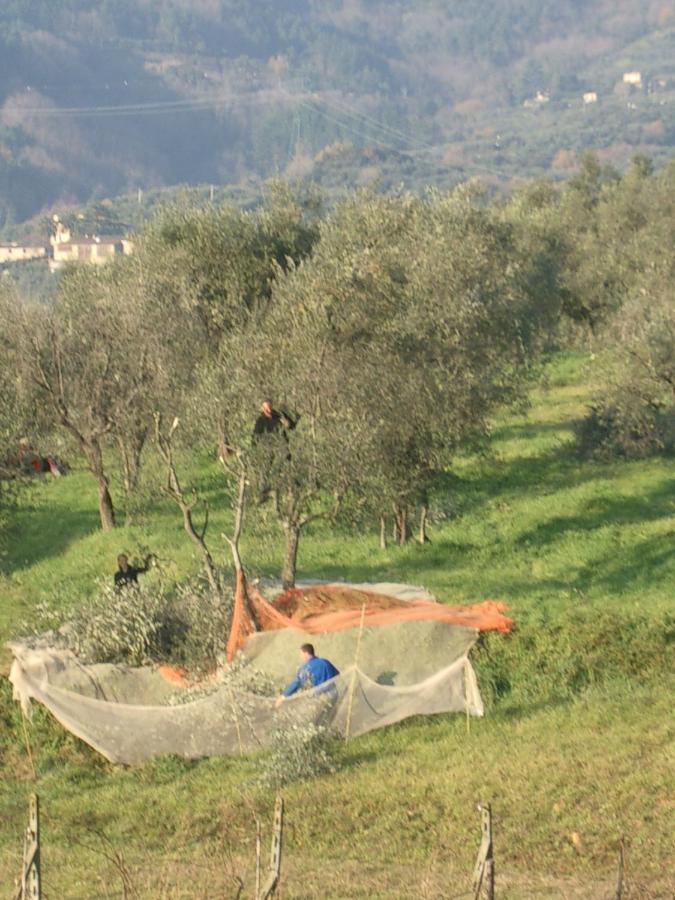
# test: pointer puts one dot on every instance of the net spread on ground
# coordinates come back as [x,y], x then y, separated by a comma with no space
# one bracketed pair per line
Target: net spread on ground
[399,654]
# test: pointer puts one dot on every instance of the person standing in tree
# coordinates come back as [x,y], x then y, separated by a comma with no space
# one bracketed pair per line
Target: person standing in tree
[269,425]
[270,421]
[127,574]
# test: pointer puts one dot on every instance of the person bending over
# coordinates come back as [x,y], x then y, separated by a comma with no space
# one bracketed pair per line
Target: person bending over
[314,670]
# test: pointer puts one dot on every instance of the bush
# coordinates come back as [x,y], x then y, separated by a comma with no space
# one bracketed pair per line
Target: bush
[547,658]
[626,428]
[202,621]
[299,751]
[133,626]
[184,624]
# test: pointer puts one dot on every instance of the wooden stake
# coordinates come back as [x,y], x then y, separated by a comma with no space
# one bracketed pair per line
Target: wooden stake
[484,871]
[352,686]
[272,881]
[236,722]
[258,855]
[621,885]
[30,876]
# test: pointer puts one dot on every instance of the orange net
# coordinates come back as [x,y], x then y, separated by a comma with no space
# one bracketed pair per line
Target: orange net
[322,608]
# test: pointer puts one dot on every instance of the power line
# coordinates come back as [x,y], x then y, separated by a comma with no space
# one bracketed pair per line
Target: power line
[353,121]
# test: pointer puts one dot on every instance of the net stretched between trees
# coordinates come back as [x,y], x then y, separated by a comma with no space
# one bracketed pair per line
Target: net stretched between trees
[411,666]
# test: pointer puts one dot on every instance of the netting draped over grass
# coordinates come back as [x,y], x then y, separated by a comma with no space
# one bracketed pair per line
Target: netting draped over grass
[410,666]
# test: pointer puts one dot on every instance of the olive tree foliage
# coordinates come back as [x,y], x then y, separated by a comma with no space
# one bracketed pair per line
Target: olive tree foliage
[223,262]
[15,409]
[609,222]
[634,413]
[410,322]
[98,361]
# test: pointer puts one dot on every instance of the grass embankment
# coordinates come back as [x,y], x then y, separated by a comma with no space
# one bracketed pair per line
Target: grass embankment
[575,751]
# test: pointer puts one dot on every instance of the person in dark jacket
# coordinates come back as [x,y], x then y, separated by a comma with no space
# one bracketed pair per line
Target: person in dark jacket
[127,574]
[270,426]
[271,421]
[314,671]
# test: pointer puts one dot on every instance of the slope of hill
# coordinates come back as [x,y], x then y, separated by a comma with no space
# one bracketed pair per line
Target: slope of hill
[573,753]
[101,98]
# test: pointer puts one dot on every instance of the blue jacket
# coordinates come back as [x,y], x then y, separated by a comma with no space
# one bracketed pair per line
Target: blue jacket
[316,670]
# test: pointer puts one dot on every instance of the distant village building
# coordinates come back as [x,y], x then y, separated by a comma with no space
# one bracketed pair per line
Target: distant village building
[96,250]
[633,78]
[539,98]
[590,97]
[14,251]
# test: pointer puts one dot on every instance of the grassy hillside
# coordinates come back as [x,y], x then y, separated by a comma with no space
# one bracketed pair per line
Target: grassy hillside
[575,751]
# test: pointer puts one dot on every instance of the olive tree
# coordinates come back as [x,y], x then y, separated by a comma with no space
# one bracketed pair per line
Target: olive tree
[409,324]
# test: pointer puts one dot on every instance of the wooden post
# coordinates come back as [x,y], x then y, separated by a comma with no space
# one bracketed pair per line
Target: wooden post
[424,515]
[352,686]
[484,871]
[258,855]
[383,533]
[30,876]
[272,881]
[621,885]
[236,722]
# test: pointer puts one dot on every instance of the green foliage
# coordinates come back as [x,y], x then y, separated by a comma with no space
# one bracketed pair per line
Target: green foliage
[624,426]
[139,624]
[299,751]
[132,625]
[197,630]
[548,659]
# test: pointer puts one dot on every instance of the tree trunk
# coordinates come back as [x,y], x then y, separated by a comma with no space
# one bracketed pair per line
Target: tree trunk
[105,504]
[383,533]
[424,515]
[106,509]
[131,461]
[401,524]
[292,533]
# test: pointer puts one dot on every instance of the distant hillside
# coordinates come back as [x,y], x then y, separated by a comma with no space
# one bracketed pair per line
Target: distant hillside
[101,98]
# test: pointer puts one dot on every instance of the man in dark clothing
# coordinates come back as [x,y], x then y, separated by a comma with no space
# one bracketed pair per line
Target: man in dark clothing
[127,574]
[270,421]
[274,454]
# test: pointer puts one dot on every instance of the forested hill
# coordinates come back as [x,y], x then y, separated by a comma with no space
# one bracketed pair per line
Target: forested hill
[99,98]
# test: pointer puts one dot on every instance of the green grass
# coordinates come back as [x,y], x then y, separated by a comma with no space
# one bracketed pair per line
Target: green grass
[576,749]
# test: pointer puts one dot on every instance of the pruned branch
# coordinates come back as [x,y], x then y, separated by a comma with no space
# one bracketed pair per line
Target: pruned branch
[174,490]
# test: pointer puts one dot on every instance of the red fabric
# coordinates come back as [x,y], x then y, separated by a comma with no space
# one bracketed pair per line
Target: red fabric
[323,608]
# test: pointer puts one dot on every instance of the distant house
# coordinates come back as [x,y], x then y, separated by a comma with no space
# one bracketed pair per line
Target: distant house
[97,249]
[590,97]
[539,98]
[633,78]
[21,252]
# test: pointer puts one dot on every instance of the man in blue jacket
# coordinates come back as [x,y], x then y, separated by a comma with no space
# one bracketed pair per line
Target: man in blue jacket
[314,671]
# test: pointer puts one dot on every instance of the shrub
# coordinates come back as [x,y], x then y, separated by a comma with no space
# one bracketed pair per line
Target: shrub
[299,751]
[139,624]
[132,625]
[549,658]
[627,428]
[202,622]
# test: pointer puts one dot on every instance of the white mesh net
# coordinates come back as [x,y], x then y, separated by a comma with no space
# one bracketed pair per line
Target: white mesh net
[131,714]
